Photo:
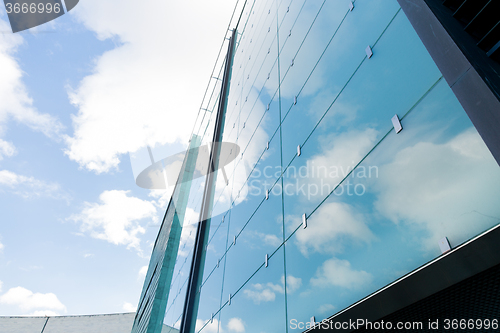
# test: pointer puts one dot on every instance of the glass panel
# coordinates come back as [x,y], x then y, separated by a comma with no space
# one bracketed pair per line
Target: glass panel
[318,86]
[257,225]
[210,298]
[435,179]
[260,304]
[389,83]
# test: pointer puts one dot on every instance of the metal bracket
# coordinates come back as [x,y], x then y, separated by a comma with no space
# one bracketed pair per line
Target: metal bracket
[397,124]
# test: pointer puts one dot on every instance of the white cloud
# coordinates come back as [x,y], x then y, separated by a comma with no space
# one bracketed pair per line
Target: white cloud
[331,227]
[187,240]
[260,295]
[271,286]
[267,292]
[450,189]
[212,327]
[16,103]
[31,268]
[191,217]
[1,285]
[188,232]
[336,272]
[6,149]
[88,255]
[44,313]
[8,178]
[268,239]
[292,283]
[1,250]
[236,325]
[143,91]
[162,197]
[142,272]
[29,187]
[27,300]
[128,307]
[325,308]
[340,153]
[342,114]
[116,218]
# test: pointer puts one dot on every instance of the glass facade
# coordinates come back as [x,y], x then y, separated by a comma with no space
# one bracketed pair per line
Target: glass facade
[325,203]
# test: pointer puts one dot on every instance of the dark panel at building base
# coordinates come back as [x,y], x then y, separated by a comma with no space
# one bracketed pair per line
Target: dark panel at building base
[477,298]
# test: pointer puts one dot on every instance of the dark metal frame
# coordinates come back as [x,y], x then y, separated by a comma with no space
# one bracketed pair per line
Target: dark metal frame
[473,77]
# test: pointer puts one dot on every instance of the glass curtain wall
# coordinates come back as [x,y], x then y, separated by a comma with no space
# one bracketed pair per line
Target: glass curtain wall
[203,131]
[326,203]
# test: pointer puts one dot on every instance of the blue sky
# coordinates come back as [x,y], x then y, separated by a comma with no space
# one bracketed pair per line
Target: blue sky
[77,95]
